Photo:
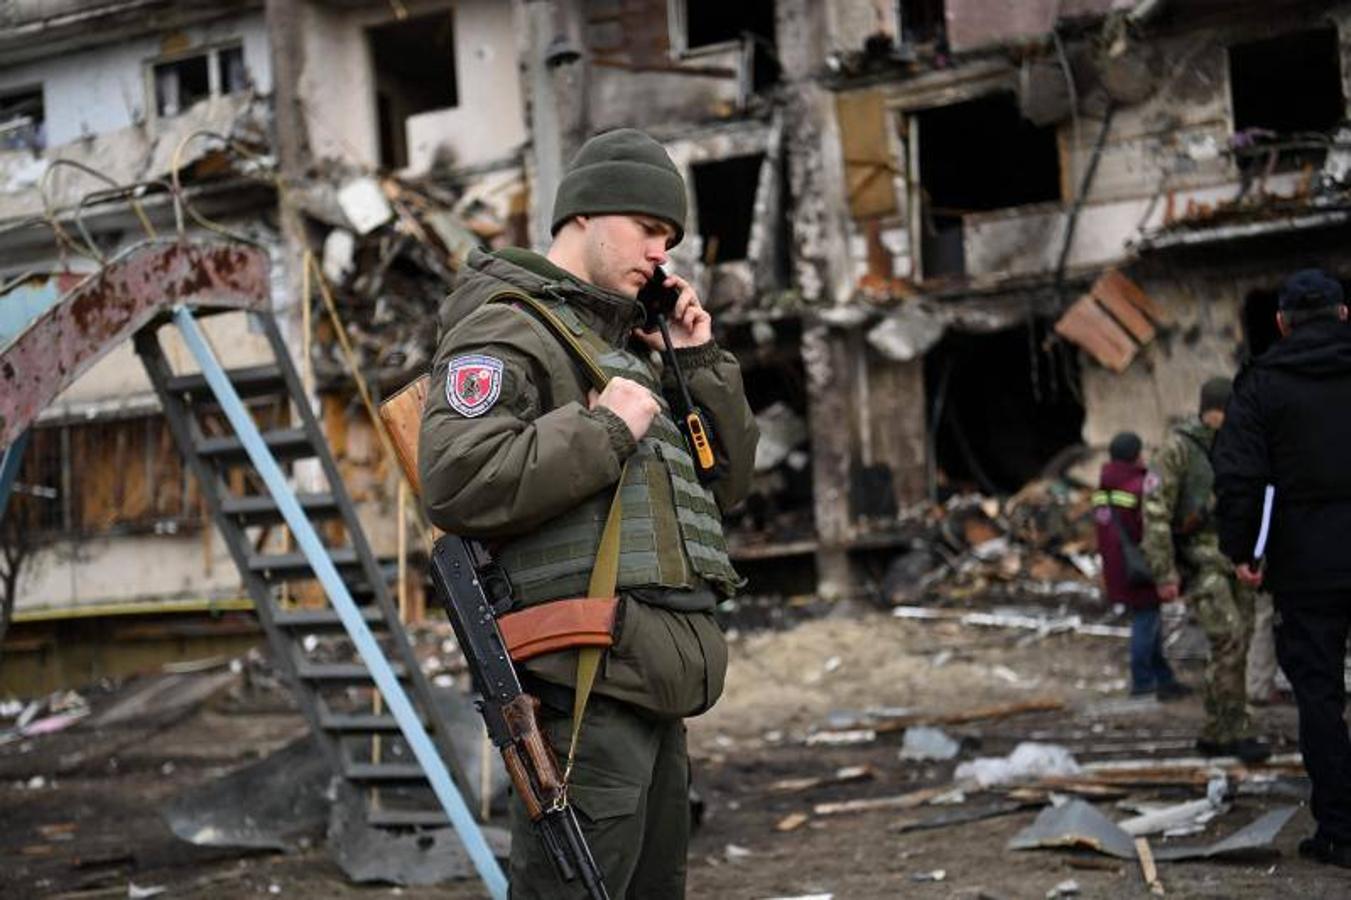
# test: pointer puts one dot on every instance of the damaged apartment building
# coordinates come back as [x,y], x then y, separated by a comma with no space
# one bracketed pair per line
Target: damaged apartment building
[950,241]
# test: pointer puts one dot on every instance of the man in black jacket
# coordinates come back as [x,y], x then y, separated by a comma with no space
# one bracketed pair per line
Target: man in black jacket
[1283,482]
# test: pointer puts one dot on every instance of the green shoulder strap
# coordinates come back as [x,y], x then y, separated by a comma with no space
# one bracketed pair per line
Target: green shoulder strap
[605,572]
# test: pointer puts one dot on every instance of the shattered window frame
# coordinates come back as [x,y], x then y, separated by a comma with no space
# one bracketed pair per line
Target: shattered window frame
[214,57]
[20,131]
[1245,59]
[906,124]
[935,31]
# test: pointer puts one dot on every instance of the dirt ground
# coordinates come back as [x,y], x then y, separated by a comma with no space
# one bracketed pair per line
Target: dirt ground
[81,809]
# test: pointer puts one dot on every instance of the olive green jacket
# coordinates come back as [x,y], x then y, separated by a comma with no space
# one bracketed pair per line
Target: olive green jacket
[1179,540]
[539,451]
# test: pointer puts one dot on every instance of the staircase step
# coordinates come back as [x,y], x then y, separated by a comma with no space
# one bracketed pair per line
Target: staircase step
[358,722]
[406,818]
[248,381]
[384,773]
[284,444]
[323,619]
[287,566]
[261,509]
[343,673]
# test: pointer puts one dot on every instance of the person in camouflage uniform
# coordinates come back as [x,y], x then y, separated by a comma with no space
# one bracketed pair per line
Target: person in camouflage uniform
[1182,548]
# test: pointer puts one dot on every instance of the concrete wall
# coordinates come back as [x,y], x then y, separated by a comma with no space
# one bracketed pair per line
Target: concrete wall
[95,91]
[339,86]
[123,569]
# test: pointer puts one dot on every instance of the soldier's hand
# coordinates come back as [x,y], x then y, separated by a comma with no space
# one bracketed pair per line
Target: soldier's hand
[630,401]
[689,323]
[1249,574]
[1169,591]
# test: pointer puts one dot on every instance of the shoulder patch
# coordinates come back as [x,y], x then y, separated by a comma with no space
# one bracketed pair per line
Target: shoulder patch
[1152,482]
[473,384]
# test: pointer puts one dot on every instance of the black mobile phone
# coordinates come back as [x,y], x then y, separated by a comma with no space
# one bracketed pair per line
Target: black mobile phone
[657,299]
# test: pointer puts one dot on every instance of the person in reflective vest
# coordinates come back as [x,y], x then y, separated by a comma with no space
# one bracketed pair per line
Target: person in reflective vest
[1117,515]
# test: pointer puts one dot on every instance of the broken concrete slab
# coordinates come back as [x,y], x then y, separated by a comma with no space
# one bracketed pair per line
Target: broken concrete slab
[163,699]
[272,804]
[373,855]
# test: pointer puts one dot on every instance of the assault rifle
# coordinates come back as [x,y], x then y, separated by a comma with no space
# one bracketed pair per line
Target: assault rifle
[473,597]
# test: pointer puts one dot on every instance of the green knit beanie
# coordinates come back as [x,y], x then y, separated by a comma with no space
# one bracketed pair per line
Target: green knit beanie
[622,171]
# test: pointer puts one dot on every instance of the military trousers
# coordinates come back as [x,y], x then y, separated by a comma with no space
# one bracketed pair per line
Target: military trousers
[630,787]
[1224,608]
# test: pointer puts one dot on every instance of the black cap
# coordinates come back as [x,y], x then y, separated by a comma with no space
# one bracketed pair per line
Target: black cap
[1310,289]
[1125,447]
[1215,393]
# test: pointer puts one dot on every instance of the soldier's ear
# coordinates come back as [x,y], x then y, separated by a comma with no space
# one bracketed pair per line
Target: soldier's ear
[1341,312]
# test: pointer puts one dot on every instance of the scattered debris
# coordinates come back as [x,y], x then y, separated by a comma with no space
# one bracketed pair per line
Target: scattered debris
[1028,760]
[1067,888]
[935,875]
[1147,868]
[869,804]
[1075,824]
[791,822]
[959,816]
[845,775]
[1080,824]
[925,743]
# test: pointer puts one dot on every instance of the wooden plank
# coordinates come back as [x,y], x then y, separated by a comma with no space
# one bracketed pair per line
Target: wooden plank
[1127,314]
[1086,325]
[980,714]
[870,804]
[868,165]
[1113,282]
[1147,867]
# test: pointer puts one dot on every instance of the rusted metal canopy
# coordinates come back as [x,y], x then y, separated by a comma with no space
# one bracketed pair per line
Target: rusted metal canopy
[110,306]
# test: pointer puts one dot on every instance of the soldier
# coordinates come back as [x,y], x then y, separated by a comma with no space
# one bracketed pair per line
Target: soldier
[516,449]
[1183,552]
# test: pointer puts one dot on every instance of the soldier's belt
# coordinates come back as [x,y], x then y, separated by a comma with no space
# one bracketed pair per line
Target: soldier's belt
[561,625]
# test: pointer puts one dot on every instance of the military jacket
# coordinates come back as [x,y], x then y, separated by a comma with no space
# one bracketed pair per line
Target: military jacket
[1179,539]
[511,453]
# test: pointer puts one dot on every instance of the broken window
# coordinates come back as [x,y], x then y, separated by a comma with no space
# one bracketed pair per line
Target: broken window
[724,193]
[1283,86]
[230,71]
[922,21]
[1259,322]
[22,122]
[709,23]
[779,507]
[414,64]
[180,83]
[977,156]
[1000,409]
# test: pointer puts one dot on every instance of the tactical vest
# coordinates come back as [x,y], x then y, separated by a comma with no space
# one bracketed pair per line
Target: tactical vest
[671,528]
[1195,493]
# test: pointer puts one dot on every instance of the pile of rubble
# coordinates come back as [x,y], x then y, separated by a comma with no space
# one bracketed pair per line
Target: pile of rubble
[390,255]
[1037,544]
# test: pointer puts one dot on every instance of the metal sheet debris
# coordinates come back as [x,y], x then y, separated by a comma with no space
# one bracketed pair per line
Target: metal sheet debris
[1257,836]
[1075,824]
